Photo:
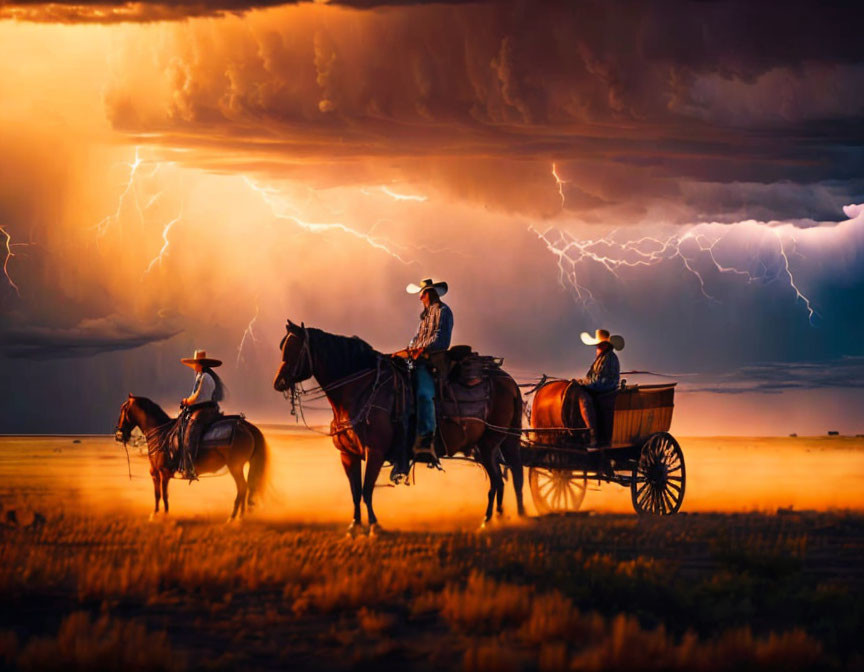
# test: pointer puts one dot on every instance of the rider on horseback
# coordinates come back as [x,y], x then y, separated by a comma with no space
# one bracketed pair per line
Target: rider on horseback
[200,408]
[433,335]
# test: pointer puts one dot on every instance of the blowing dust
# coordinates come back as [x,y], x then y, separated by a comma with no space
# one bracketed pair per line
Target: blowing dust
[307,484]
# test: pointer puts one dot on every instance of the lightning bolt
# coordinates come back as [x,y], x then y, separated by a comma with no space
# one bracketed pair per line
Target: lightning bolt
[403,197]
[559,182]
[247,333]
[698,243]
[106,223]
[281,207]
[166,243]
[9,256]
[798,295]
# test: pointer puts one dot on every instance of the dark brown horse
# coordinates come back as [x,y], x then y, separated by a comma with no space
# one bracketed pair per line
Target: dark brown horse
[248,445]
[363,386]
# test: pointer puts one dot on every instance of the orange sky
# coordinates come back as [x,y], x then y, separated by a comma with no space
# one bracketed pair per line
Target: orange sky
[308,162]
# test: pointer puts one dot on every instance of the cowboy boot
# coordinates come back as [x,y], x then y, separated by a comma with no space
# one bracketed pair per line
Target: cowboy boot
[423,450]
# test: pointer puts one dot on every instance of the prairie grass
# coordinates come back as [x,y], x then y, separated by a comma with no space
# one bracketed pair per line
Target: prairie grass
[706,592]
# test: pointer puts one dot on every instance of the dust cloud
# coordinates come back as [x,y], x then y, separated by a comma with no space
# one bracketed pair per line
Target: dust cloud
[307,485]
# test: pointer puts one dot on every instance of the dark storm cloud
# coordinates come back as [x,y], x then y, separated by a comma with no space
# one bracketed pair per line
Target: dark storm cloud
[98,11]
[628,98]
[777,377]
[86,339]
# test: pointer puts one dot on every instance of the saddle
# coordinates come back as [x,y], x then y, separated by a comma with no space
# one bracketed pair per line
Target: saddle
[222,431]
[464,380]
[218,432]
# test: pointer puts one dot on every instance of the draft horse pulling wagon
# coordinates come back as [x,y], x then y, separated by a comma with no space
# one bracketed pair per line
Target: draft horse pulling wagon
[639,452]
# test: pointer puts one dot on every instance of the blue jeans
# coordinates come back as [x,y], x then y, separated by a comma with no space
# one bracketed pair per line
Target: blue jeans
[425,399]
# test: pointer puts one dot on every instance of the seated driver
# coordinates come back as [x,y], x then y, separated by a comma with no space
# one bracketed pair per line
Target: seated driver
[603,376]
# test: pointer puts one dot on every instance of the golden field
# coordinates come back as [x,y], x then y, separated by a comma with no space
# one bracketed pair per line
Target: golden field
[88,582]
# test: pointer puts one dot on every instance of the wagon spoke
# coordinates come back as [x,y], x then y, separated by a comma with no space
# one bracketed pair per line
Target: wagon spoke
[662,501]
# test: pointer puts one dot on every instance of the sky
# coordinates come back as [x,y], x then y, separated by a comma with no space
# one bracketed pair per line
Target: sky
[181,175]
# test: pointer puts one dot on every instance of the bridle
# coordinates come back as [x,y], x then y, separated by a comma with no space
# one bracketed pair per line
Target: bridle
[123,432]
[296,374]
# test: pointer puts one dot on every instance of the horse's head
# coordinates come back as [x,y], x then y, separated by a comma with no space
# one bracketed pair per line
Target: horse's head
[296,363]
[125,423]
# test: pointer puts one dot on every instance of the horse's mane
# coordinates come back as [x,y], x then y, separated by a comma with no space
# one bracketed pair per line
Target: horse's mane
[152,408]
[340,356]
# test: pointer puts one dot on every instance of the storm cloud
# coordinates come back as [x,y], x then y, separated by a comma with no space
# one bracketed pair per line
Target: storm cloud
[86,339]
[628,99]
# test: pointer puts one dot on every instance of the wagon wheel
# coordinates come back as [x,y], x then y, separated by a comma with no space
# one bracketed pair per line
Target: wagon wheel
[556,490]
[657,486]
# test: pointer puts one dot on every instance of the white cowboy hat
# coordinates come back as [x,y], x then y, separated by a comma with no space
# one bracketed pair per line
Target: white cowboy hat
[200,357]
[602,335]
[439,287]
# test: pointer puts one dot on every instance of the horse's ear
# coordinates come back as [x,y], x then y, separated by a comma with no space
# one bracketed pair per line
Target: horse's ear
[130,395]
[288,323]
[302,325]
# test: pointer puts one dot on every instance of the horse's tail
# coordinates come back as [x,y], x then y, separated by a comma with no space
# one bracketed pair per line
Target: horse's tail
[259,464]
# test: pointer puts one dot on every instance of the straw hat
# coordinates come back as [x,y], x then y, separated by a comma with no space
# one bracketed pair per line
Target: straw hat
[439,287]
[201,358]
[603,335]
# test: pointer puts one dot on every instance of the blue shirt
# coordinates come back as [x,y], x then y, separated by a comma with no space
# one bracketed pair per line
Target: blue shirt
[435,328]
[605,373]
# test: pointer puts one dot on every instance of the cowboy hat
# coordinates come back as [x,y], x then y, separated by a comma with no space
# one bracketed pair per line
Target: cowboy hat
[201,358]
[603,335]
[439,287]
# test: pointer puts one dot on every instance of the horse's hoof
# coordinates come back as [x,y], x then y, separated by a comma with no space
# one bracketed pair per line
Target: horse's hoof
[375,530]
[154,517]
[353,529]
[231,519]
[485,525]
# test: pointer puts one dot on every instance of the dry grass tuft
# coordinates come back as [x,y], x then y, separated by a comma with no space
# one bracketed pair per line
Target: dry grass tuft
[103,644]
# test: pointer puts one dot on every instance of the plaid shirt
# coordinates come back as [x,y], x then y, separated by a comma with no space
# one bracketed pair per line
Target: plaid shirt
[605,373]
[435,328]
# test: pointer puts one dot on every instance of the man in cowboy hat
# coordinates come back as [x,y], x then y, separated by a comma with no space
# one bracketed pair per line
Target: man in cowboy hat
[200,408]
[433,335]
[603,376]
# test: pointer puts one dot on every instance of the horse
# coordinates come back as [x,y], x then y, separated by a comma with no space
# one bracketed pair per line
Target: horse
[362,386]
[248,445]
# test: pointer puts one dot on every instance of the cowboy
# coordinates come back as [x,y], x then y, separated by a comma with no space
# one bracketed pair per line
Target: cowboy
[603,376]
[201,407]
[433,335]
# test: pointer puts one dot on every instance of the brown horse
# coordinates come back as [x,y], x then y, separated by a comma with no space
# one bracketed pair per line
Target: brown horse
[248,445]
[363,387]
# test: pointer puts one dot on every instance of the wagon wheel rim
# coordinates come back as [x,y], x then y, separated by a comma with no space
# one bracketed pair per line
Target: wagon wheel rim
[556,490]
[659,477]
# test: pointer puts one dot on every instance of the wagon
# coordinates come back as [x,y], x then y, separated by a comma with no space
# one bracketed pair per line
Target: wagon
[639,452]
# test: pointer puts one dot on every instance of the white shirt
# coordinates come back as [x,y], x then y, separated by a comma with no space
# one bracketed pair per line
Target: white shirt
[206,387]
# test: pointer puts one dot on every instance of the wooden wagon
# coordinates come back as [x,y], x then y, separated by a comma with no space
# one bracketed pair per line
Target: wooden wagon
[636,449]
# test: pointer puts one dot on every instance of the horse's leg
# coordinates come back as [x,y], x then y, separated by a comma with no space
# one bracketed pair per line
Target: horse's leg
[157,492]
[510,449]
[351,464]
[166,476]
[488,448]
[374,460]
[240,480]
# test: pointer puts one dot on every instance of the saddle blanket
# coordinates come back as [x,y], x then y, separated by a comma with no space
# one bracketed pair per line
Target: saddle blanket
[462,401]
[222,431]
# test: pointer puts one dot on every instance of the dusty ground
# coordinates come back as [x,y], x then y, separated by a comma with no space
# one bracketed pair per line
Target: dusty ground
[87,581]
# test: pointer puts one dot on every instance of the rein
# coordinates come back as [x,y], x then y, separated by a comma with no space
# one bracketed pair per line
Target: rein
[295,394]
